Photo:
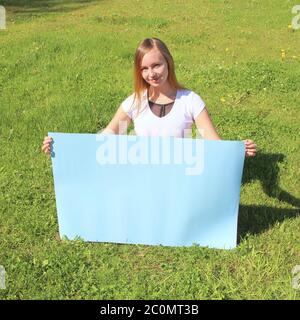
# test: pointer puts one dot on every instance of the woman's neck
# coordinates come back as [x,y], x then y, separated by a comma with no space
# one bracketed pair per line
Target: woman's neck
[162,92]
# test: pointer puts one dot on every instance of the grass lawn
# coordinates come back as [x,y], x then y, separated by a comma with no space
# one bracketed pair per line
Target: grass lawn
[67,65]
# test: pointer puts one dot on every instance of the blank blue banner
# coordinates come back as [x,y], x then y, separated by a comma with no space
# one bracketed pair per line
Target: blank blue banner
[147,190]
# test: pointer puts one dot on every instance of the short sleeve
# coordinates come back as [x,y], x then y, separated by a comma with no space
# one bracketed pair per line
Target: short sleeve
[196,105]
[128,106]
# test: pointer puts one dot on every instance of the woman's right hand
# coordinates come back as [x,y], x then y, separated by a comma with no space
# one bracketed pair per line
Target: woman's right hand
[46,147]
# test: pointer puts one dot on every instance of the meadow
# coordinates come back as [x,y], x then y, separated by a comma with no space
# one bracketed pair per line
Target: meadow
[67,65]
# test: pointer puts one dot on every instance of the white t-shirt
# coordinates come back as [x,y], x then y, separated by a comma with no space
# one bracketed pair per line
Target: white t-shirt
[177,123]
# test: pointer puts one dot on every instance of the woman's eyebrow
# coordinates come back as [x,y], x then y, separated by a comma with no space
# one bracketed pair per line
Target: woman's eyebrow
[157,62]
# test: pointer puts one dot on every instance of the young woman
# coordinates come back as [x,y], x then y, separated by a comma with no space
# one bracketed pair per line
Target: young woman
[160,105]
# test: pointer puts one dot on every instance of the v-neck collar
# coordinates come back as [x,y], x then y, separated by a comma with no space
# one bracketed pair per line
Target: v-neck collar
[153,114]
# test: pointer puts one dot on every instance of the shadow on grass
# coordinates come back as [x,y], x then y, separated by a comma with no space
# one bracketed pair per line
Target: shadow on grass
[43,6]
[264,167]
[256,219]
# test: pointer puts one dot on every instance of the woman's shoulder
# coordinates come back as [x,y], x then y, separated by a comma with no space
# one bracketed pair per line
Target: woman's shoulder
[192,101]
[131,103]
[133,96]
[188,94]
[129,98]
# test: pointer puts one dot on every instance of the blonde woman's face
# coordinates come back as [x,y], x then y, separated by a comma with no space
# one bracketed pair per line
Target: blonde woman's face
[154,68]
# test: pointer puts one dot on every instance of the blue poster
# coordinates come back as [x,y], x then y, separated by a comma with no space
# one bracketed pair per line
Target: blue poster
[147,190]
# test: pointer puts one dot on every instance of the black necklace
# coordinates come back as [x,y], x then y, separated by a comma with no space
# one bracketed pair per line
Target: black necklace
[162,110]
[162,107]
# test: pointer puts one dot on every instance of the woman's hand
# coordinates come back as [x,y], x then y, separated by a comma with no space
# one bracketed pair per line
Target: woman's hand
[46,147]
[250,148]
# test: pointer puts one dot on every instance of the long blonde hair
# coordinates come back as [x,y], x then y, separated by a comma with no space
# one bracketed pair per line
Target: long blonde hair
[139,83]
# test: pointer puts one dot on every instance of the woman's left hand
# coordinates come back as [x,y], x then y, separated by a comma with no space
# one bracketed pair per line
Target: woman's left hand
[250,148]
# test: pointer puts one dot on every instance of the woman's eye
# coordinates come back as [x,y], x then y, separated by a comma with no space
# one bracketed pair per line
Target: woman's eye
[155,66]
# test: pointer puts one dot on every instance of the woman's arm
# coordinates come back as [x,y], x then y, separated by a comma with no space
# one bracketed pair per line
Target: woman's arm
[119,123]
[205,126]
[208,131]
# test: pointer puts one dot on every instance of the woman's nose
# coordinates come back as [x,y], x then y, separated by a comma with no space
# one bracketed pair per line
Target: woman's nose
[151,73]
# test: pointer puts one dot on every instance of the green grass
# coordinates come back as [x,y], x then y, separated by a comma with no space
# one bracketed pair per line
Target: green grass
[66,66]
